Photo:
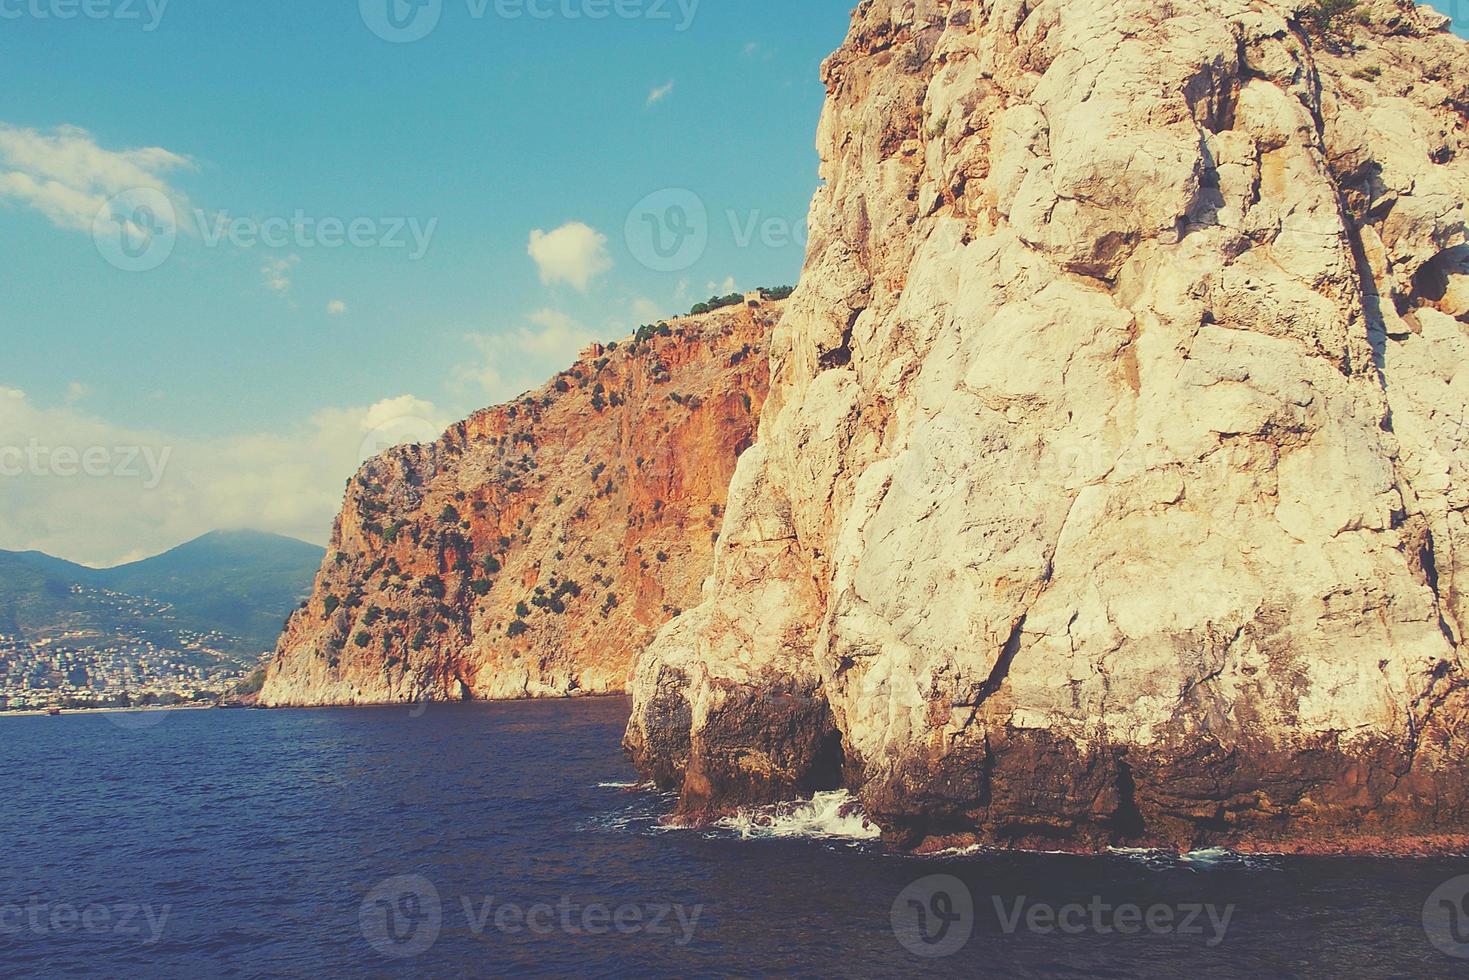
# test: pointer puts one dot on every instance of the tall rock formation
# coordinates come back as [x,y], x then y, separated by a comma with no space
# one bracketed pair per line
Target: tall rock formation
[1113,480]
[535,548]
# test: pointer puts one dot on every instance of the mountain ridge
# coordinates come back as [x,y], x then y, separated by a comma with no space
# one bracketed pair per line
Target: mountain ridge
[238,581]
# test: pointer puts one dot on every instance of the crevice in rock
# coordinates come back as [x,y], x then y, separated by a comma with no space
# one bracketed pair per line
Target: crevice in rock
[1126,822]
[841,355]
[1002,666]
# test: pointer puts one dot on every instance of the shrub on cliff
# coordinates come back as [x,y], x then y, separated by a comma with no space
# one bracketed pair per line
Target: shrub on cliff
[517,628]
[718,303]
[362,639]
[1327,18]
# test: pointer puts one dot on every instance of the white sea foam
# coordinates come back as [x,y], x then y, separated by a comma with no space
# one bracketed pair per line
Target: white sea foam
[826,816]
[1206,859]
[624,785]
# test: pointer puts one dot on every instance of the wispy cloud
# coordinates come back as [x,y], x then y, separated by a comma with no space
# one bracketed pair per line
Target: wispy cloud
[575,253]
[336,307]
[162,488]
[67,177]
[277,272]
[659,94]
[506,364]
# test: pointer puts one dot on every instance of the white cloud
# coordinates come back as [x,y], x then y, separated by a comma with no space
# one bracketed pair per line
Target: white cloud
[76,391]
[659,94]
[277,272]
[336,307]
[751,50]
[558,336]
[151,490]
[575,253]
[507,364]
[67,177]
[644,310]
[728,286]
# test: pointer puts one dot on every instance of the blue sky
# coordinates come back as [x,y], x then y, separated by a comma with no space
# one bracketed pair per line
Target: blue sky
[493,127]
[488,129]
[254,376]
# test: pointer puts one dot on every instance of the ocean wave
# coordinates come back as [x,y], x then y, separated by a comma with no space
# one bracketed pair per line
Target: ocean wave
[826,816]
[1207,859]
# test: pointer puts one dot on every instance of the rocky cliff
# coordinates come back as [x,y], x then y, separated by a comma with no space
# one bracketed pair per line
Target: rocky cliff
[1113,480]
[535,548]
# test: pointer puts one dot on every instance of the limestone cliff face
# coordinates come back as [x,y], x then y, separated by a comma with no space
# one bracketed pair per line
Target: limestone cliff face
[1113,480]
[535,548]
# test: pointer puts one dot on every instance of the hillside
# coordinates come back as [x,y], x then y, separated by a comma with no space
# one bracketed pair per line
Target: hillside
[535,548]
[240,583]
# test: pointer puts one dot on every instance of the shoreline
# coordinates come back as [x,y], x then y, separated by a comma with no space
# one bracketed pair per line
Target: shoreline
[531,699]
[46,713]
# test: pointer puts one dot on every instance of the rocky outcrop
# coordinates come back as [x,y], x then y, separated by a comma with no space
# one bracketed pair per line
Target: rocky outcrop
[1112,484]
[534,549]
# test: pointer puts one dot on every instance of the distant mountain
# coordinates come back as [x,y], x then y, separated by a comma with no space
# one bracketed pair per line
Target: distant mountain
[241,583]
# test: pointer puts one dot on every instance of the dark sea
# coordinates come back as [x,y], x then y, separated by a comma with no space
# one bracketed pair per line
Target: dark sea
[506,840]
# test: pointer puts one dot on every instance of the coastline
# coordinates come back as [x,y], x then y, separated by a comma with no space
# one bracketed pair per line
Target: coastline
[44,713]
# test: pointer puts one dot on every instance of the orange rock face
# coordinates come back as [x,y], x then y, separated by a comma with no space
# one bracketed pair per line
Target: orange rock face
[534,549]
